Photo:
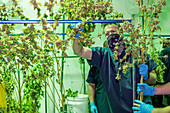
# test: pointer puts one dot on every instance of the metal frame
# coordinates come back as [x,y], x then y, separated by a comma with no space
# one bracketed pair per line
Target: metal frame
[63,33]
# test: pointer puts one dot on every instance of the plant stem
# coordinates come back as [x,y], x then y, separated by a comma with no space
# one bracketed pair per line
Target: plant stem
[55,89]
[59,82]
[51,91]
[19,91]
[40,82]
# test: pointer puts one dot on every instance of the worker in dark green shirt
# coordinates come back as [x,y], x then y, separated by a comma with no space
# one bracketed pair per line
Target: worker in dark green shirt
[163,100]
[157,90]
[119,92]
[142,107]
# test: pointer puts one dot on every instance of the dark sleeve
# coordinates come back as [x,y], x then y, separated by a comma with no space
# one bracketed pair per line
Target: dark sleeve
[166,61]
[164,52]
[151,64]
[91,76]
[97,56]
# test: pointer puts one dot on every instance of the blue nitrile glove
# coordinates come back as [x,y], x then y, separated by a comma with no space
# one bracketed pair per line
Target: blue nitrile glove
[144,108]
[76,26]
[147,90]
[93,108]
[143,70]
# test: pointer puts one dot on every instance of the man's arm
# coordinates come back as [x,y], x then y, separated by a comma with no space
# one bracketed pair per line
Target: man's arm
[163,89]
[141,107]
[91,92]
[152,78]
[151,91]
[161,110]
[81,51]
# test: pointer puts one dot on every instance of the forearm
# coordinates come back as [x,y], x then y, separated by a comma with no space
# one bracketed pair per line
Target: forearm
[81,51]
[161,110]
[163,89]
[77,47]
[152,78]
[91,92]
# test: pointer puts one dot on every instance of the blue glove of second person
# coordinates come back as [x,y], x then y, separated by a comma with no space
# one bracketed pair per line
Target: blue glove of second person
[144,108]
[76,26]
[143,70]
[147,90]
[93,108]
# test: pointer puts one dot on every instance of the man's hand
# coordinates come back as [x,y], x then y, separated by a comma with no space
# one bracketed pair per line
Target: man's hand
[143,70]
[147,90]
[93,108]
[76,28]
[142,107]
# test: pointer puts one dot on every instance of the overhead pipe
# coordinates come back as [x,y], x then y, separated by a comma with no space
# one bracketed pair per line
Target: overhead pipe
[60,21]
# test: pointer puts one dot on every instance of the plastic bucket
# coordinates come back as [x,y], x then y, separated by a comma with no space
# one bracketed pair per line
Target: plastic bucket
[78,104]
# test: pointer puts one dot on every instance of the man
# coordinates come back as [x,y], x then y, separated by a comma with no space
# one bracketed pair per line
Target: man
[164,100]
[166,60]
[97,94]
[151,91]
[158,90]
[119,92]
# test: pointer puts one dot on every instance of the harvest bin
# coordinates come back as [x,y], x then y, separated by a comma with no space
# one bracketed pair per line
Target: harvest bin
[77,104]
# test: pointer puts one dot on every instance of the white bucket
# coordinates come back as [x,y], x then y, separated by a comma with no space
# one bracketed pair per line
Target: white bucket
[78,104]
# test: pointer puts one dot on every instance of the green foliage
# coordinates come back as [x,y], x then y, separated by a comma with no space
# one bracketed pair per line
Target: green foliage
[141,37]
[71,93]
[7,78]
[33,93]
[31,54]
[160,69]
[88,10]
[24,54]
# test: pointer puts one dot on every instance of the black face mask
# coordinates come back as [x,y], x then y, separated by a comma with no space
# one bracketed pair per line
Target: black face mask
[112,40]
